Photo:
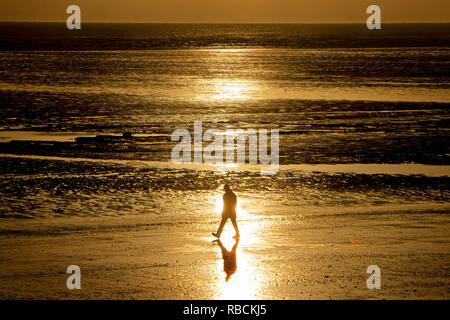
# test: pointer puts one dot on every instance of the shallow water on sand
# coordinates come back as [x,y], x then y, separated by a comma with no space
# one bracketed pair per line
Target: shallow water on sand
[331,105]
[364,155]
[34,187]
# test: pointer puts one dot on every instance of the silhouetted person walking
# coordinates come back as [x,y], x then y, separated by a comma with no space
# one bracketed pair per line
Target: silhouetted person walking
[228,212]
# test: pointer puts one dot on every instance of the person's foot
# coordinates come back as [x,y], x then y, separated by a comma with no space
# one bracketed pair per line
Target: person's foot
[216,235]
[237,236]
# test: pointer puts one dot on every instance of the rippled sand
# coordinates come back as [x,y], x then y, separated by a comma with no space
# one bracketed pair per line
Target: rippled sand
[143,232]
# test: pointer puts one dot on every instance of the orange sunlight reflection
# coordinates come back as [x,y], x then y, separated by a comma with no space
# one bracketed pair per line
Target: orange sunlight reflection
[232,89]
[231,80]
[242,284]
[240,212]
[237,274]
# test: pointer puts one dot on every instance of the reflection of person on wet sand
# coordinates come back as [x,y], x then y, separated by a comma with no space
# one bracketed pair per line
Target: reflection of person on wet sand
[228,212]
[229,258]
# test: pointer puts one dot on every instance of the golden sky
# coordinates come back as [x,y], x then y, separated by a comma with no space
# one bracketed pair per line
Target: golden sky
[227,11]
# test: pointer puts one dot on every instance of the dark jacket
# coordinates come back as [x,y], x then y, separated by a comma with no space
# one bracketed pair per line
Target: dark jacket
[229,204]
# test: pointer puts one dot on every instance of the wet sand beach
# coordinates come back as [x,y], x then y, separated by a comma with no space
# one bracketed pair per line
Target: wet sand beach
[278,257]
[88,177]
[138,234]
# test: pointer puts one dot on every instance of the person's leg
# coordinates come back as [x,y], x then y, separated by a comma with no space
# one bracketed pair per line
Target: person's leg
[236,229]
[222,224]
[221,246]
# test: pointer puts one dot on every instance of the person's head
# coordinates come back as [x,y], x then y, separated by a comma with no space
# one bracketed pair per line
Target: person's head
[226,187]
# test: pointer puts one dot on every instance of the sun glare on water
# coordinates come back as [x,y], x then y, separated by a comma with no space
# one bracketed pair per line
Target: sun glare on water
[232,89]
[240,212]
[243,282]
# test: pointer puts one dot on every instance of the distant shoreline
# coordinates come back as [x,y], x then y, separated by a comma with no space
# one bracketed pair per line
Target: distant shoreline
[233,23]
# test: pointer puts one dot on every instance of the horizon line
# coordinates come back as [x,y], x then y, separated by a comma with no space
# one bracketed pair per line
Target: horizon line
[168,22]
